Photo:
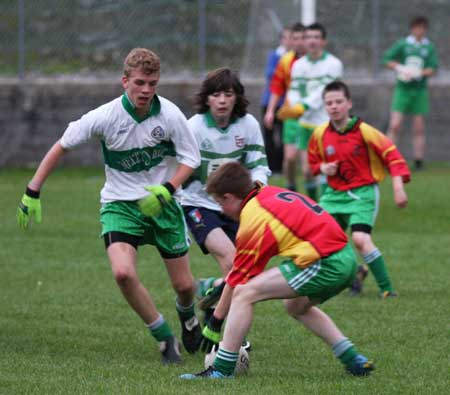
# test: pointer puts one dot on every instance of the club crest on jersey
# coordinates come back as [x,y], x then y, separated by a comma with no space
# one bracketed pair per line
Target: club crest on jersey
[240,141]
[158,132]
[206,145]
[330,150]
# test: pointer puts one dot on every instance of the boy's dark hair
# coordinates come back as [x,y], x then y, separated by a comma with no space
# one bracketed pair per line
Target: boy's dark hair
[222,79]
[337,85]
[418,20]
[297,27]
[232,178]
[319,27]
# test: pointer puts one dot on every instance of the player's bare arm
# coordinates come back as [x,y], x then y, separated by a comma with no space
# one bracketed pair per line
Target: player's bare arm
[270,112]
[400,196]
[181,175]
[46,166]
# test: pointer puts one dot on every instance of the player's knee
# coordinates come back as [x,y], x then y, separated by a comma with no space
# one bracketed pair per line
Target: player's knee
[123,276]
[295,309]
[184,286]
[225,260]
[244,294]
[395,127]
[290,158]
[307,175]
[361,240]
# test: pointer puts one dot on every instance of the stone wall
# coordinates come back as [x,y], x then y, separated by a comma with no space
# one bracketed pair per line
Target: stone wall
[34,114]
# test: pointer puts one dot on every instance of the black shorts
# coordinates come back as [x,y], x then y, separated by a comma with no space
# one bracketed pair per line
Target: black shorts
[201,221]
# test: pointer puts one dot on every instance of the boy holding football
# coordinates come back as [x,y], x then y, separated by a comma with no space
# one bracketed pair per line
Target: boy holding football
[414,59]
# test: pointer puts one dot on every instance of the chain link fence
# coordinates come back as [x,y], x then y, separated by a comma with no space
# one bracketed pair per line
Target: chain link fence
[91,37]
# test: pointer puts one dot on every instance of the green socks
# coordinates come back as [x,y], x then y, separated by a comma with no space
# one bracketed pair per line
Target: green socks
[376,264]
[225,361]
[160,329]
[345,351]
[185,312]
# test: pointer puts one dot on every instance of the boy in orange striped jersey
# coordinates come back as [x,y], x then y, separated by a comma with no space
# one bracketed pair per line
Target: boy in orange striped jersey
[319,264]
[353,155]
[279,86]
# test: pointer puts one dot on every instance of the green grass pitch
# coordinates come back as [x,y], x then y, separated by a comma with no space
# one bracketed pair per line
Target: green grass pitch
[65,328]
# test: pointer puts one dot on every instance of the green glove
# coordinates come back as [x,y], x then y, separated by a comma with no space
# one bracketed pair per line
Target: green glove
[160,195]
[29,207]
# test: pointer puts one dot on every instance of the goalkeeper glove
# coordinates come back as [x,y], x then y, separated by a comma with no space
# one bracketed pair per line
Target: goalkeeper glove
[160,195]
[211,335]
[29,207]
[287,111]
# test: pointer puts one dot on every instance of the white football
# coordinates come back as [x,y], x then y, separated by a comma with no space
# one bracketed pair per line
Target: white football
[242,365]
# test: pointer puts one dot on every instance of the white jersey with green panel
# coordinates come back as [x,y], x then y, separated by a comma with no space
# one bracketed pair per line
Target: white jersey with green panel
[241,141]
[137,152]
[308,78]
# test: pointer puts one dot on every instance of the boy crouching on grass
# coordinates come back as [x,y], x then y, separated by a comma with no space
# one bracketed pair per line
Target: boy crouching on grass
[319,264]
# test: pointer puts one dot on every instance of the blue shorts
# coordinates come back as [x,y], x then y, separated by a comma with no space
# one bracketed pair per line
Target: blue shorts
[201,221]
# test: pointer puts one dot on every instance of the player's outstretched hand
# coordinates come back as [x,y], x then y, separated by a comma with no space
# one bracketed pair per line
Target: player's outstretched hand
[211,335]
[159,196]
[29,208]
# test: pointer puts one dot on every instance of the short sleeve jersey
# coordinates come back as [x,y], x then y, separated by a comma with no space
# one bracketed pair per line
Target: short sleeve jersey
[137,152]
[308,79]
[241,141]
[362,152]
[411,52]
[276,221]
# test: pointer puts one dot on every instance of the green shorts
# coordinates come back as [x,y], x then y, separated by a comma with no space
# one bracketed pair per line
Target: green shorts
[356,206]
[323,279]
[291,132]
[168,232]
[305,135]
[410,100]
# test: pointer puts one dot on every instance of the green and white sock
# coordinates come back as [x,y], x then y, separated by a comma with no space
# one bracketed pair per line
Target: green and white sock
[376,264]
[225,361]
[160,329]
[185,312]
[344,350]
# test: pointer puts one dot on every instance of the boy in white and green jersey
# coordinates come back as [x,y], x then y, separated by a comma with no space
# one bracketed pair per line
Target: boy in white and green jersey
[225,132]
[414,59]
[147,147]
[309,76]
